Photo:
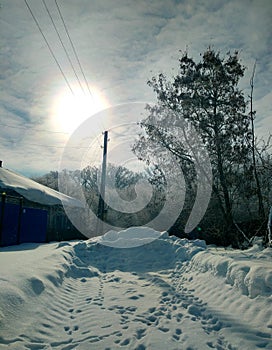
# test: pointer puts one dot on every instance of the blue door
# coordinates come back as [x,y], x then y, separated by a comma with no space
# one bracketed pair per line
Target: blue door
[33,225]
[9,224]
[21,225]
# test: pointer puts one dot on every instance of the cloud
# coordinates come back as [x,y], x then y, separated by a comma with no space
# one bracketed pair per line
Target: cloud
[263,117]
[120,44]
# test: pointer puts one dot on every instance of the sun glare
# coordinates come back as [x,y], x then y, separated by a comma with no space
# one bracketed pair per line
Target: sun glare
[70,111]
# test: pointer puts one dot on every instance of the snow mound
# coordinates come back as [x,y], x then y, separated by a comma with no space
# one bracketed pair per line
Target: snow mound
[146,249]
[131,237]
[248,271]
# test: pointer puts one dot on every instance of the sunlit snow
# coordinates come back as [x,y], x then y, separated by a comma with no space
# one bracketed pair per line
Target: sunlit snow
[170,293]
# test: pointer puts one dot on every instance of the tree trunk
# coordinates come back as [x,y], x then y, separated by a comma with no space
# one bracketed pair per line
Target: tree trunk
[222,178]
[258,186]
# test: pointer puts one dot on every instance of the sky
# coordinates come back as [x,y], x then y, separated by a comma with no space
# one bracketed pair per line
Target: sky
[119,45]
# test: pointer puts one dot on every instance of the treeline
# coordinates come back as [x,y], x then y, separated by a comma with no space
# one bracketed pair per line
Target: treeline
[122,188]
[129,198]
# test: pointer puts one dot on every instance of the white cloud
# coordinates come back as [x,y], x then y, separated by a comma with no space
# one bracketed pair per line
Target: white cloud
[120,44]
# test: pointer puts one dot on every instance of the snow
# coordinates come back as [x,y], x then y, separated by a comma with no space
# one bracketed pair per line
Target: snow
[34,191]
[132,237]
[168,293]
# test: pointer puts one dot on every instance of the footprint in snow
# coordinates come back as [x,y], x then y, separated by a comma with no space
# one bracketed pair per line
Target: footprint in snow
[140,333]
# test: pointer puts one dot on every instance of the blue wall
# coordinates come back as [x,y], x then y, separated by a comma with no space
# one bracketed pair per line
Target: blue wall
[20,225]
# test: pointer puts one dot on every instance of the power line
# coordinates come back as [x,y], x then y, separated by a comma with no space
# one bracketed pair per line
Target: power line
[22,127]
[63,46]
[96,141]
[122,124]
[49,47]
[73,47]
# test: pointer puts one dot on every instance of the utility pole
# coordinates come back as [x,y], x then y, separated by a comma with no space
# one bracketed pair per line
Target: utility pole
[101,203]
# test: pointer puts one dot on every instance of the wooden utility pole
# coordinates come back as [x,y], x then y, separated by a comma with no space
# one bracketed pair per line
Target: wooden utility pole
[101,203]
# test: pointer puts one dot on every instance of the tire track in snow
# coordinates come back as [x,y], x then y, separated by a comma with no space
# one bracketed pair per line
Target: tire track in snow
[133,318]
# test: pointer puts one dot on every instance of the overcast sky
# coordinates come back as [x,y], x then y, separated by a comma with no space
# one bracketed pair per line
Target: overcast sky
[120,45]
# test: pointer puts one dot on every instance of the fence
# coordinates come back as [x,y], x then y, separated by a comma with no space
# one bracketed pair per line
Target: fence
[19,224]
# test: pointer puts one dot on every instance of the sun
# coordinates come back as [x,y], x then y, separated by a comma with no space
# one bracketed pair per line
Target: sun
[70,111]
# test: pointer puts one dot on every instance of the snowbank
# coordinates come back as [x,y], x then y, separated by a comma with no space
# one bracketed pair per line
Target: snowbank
[27,271]
[250,270]
[132,237]
[161,253]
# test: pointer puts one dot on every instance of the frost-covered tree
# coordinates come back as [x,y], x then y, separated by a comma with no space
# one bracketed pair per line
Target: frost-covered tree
[206,94]
[50,180]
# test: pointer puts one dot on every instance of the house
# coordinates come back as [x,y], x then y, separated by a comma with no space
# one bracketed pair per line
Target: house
[31,212]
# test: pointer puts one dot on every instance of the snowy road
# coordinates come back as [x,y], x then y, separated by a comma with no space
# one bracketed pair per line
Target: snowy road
[137,312]
[96,297]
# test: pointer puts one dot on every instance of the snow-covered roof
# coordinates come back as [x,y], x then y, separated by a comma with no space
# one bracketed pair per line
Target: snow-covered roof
[34,191]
